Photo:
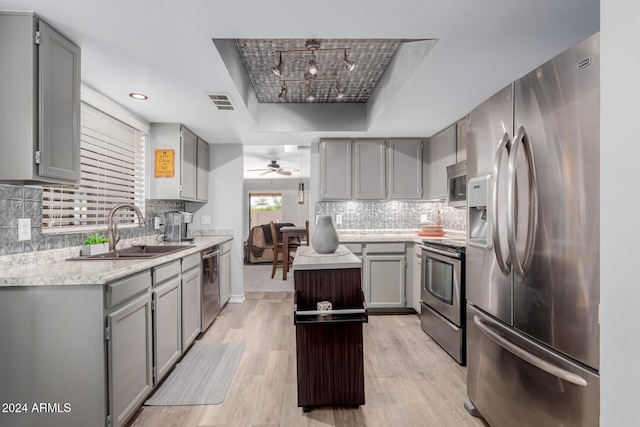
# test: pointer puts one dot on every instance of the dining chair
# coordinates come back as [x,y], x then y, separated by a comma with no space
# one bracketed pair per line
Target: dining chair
[278,249]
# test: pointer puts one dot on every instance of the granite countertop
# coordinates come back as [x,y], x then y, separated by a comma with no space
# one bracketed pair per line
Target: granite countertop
[308,259]
[92,272]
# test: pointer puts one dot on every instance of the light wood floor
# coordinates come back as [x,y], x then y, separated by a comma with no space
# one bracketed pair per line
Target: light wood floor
[409,380]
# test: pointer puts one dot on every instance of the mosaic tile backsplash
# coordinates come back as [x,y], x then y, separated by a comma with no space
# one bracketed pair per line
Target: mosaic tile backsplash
[391,214]
[18,201]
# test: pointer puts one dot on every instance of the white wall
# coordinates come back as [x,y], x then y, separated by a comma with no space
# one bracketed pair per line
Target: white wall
[226,206]
[619,207]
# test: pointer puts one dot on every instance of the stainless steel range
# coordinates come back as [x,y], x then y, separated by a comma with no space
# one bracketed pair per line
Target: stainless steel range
[443,295]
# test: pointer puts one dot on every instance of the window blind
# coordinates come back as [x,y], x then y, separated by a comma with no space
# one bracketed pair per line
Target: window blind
[111,172]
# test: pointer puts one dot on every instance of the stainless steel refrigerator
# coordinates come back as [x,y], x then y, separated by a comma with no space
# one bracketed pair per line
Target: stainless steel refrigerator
[532,262]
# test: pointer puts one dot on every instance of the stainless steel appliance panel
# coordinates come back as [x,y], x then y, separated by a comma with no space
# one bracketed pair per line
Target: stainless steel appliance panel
[487,286]
[441,283]
[514,381]
[557,300]
[210,286]
[447,335]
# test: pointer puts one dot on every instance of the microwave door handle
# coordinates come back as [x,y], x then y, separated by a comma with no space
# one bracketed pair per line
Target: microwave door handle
[534,360]
[520,267]
[504,265]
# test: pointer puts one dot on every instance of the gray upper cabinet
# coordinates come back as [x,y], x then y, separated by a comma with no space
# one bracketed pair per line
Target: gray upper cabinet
[405,168]
[179,163]
[335,169]
[189,170]
[461,139]
[40,86]
[442,153]
[369,169]
[202,174]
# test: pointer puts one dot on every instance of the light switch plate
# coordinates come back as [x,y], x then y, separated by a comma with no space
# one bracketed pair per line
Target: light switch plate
[423,218]
[338,219]
[24,229]
[205,219]
[156,223]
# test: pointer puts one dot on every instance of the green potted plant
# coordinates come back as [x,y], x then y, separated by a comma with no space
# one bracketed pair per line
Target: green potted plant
[95,244]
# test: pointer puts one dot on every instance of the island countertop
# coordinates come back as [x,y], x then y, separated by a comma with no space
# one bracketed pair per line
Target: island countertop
[308,259]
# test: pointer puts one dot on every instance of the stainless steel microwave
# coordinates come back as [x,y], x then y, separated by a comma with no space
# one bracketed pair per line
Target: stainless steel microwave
[457,185]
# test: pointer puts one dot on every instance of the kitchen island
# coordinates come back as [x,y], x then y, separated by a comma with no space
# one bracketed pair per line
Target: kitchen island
[329,348]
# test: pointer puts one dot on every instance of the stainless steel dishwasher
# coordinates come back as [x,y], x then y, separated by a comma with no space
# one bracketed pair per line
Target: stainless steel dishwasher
[210,286]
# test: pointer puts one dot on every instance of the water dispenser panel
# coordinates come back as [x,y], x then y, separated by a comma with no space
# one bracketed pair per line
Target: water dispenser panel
[479,210]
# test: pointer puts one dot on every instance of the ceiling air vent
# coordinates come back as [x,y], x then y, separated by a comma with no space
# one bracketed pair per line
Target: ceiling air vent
[222,101]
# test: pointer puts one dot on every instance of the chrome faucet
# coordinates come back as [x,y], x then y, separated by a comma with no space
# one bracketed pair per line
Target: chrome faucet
[112,227]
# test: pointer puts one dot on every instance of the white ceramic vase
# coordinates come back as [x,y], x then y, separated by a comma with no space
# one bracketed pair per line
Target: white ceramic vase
[325,237]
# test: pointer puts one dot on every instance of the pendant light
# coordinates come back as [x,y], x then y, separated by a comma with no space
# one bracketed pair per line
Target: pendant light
[301,185]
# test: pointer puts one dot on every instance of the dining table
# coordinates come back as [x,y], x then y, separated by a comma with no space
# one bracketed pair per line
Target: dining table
[289,232]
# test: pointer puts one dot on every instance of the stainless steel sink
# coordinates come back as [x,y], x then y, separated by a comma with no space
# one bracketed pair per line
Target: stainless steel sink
[136,252]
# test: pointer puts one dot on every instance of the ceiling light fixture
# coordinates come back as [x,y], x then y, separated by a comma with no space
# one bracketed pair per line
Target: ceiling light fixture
[283,91]
[311,96]
[311,71]
[339,92]
[313,66]
[278,69]
[139,96]
[350,66]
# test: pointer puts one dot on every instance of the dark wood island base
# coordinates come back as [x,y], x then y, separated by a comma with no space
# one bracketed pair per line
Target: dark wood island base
[329,347]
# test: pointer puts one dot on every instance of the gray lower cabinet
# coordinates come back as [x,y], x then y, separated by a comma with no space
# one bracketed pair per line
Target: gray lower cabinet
[384,267]
[167,327]
[40,85]
[191,289]
[129,356]
[225,273]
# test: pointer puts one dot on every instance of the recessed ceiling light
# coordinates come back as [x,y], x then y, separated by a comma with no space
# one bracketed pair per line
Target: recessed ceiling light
[138,96]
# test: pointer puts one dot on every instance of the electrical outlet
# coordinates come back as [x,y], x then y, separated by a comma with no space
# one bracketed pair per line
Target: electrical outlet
[205,219]
[338,219]
[24,229]
[156,223]
[423,218]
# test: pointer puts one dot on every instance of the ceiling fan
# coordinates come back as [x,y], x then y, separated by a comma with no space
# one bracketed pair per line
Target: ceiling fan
[275,167]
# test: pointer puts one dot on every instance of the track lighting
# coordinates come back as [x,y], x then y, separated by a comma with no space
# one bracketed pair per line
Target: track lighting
[311,71]
[311,96]
[313,66]
[278,69]
[283,92]
[348,64]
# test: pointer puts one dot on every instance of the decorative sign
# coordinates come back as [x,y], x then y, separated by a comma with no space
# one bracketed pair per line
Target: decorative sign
[164,163]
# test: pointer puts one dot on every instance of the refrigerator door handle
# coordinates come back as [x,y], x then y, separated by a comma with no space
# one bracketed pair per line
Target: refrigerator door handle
[539,363]
[520,267]
[504,265]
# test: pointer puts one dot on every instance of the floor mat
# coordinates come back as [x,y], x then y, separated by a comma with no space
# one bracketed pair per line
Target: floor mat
[202,377]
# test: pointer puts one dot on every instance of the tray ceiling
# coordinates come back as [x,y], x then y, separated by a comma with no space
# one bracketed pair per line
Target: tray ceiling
[371,56]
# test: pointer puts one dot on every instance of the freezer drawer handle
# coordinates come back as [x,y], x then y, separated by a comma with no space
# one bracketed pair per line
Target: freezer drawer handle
[528,357]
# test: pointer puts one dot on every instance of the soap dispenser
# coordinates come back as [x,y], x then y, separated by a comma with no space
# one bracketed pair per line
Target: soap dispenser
[438,220]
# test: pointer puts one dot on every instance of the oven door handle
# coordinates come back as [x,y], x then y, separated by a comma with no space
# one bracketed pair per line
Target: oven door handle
[440,252]
[530,358]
